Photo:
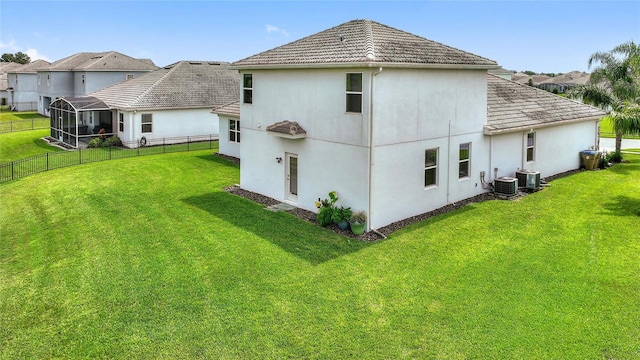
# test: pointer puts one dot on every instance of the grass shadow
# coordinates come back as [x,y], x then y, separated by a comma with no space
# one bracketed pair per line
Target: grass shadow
[623,206]
[218,160]
[304,240]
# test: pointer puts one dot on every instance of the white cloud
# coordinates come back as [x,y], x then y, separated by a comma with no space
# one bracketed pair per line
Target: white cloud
[35,55]
[275,29]
[11,47]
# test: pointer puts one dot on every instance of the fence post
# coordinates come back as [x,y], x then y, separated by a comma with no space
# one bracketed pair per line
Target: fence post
[110,146]
[32,124]
[12,170]
[188,142]
[80,155]
[47,161]
[163,147]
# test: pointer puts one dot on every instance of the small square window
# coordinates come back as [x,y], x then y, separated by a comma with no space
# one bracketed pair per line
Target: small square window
[234,131]
[147,123]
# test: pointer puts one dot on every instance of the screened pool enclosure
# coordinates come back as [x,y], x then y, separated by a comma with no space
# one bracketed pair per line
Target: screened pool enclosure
[75,121]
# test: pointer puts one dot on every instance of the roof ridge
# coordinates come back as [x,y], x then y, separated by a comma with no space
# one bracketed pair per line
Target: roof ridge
[371,55]
[156,83]
[90,63]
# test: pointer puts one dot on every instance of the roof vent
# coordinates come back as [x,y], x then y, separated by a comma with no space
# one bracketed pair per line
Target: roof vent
[506,186]
[528,179]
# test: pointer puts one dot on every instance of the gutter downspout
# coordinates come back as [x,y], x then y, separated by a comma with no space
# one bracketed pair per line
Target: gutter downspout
[370,172]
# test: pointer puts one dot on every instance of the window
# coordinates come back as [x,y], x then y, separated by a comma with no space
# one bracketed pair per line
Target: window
[531,143]
[121,122]
[354,92]
[234,131]
[83,78]
[147,123]
[39,79]
[129,76]
[48,79]
[463,164]
[431,167]
[247,88]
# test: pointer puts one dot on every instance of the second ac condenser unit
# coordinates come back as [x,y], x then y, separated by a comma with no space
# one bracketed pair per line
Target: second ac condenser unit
[528,179]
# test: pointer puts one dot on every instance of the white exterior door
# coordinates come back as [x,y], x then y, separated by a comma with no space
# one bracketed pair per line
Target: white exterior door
[291,178]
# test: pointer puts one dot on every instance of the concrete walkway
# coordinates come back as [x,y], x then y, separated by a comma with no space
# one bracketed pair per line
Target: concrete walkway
[610,144]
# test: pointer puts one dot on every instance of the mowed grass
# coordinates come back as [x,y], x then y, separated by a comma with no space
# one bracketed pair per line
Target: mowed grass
[24,144]
[11,121]
[606,130]
[147,257]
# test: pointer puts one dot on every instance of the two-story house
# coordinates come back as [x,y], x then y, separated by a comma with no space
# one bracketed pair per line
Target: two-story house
[4,80]
[22,85]
[397,124]
[85,72]
[160,107]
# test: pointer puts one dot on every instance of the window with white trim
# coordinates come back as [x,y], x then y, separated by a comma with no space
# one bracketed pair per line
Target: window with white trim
[234,131]
[247,88]
[39,79]
[354,92]
[147,123]
[531,144]
[121,122]
[130,76]
[431,167]
[83,78]
[48,79]
[464,162]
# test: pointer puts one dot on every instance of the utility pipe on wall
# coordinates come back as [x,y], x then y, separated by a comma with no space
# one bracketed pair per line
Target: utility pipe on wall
[374,73]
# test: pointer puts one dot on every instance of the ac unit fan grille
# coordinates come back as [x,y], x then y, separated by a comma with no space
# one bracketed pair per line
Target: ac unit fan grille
[506,186]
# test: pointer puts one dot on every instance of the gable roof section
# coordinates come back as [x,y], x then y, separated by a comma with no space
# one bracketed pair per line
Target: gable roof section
[30,68]
[515,107]
[185,84]
[364,43]
[101,61]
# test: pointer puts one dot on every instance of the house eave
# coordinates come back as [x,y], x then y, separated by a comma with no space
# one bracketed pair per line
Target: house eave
[287,136]
[364,65]
[488,131]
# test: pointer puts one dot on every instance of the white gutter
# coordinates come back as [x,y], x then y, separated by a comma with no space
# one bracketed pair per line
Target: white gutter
[488,131]
[363,64]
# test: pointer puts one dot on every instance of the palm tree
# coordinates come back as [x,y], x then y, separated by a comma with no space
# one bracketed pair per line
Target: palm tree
[615,86]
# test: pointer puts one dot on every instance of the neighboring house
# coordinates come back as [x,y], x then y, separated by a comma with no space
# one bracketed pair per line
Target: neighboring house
[22,87]
[397,124]
[229,116]
[85,72]
[4,82]
[172,102]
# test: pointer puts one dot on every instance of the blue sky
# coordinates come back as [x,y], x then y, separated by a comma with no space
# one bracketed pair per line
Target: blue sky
[542,36]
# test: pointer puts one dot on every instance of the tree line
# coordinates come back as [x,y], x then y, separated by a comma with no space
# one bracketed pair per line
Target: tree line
[19,57]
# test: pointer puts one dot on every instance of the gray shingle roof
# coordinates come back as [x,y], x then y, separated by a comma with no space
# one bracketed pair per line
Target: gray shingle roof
[364,42]
[232,109]
[102,61]
[185,84]
[512,107]
[31,67]
[288,128]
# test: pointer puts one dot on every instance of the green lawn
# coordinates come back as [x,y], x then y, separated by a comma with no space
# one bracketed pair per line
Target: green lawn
[606,130]
[24,144]
[147,257]
[11,121]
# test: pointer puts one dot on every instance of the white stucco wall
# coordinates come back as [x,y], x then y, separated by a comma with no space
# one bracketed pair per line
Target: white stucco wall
[25,91]
[557,149]
[416,110]
[169,124]
[226,147]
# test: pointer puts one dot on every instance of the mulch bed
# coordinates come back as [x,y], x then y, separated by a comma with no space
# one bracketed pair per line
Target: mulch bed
[381,233]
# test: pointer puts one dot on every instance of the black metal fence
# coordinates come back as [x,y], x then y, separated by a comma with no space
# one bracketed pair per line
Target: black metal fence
[23,125]
[56,160]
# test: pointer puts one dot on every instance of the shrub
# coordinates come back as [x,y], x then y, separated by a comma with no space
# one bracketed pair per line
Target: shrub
[325,212]
[358,217]
[95,143]
[341,214]
[615,157]
[112,141]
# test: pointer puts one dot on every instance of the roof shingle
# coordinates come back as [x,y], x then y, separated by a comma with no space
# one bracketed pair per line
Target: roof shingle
[185,84]
[512,106]
[364,42]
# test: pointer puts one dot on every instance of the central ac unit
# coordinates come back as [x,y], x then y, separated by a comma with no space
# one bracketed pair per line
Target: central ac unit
[528,179]
[506,186]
